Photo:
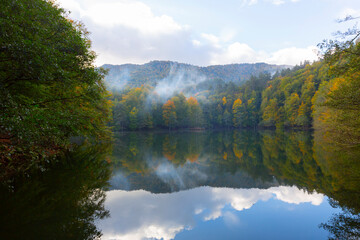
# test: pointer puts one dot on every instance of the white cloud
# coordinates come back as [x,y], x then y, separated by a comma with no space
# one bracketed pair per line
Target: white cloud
[252,2]
[127,31]
[274,2]
[293,55]
[278,2]
[127,13]
[236,53]
[296,196]
[131,14]
[140,214]
[243,53]
[248,2]
[212,39]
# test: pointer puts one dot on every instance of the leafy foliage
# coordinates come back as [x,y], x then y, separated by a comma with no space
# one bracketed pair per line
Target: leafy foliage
[49,87]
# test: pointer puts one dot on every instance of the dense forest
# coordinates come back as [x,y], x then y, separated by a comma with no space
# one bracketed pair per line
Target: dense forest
[50,90]
[323,94]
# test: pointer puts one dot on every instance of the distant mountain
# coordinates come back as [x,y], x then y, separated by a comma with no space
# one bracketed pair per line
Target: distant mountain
[151,73]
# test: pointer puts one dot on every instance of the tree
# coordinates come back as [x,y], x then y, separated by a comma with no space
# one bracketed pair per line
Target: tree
[227,119]
[291,109]
[120,117]
[269,114]
[133,115]
[252,112]
[224,101]
[194,112]
[238,112]
[341,96]
[169,114]
[181,107]
[49,88]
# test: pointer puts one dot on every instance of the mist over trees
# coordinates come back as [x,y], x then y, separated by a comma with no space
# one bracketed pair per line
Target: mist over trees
[263,101]
[323,95]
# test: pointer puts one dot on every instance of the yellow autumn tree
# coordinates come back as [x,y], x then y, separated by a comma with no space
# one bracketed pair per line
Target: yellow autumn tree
[169,114]
[238,112]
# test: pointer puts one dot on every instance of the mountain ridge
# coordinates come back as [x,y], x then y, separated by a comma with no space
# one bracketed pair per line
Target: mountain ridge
[135,75]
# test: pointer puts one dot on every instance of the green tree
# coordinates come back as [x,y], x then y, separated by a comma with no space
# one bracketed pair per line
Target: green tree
[194,112]
[227,119]
[133,115]
[238,113]
[120,116]
[50,89]
[291,109]
[181,107]
[341,96]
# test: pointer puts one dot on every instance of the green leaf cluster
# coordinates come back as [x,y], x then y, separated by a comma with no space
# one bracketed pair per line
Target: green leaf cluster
[50,90]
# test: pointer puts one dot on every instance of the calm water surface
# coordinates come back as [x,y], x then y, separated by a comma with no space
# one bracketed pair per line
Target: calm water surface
[190,185]
[225,185]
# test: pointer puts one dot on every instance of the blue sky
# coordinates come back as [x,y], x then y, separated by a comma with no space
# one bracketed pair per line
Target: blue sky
[208,32]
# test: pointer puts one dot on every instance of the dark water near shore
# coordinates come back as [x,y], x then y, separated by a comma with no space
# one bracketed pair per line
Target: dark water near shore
[191,185]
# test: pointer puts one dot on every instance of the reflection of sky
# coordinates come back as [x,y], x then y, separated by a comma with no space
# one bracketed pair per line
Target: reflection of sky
[140,214]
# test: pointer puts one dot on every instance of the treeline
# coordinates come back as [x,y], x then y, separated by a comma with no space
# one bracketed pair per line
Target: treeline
[264,101]
[321,94]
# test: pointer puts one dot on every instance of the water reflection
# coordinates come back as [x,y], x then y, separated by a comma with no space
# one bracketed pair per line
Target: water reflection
[140,214]
[58,199]
[220,159]
[171,162]
[162,184]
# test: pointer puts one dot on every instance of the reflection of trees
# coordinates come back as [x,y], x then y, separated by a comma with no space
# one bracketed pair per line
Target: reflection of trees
[344,225]
[305,159]
[342,164]
[319,164]
[133,150]
[59,200]
[289,155]
[130,152]
[169,148]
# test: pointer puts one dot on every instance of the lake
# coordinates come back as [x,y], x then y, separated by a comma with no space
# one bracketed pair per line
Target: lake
[191,185]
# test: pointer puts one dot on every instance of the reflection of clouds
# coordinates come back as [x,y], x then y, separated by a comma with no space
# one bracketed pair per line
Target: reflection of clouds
[296,196]
[181,177]
[140,214]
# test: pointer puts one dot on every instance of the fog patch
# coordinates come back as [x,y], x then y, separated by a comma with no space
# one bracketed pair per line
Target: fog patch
[117,82]
[179,80]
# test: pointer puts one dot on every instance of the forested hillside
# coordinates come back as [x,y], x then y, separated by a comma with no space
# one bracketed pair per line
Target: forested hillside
[151,73]
[323,94]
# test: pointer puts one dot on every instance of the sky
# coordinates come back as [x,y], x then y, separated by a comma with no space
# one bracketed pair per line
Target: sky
[209,32]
